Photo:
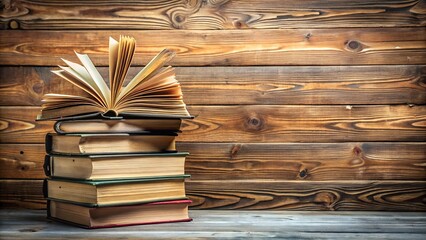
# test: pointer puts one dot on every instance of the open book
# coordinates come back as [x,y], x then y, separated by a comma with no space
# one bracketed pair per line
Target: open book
[153,92]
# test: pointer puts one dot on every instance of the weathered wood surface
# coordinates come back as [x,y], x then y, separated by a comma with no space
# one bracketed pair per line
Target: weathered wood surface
[22,160]
[339,46]
[295,123]
[18,125]
[24,224]
[22,194]
[314,195]
[262,123]
[309,161]
[210,14]
[298,161]
[383,84]
[268,195]
[344,128]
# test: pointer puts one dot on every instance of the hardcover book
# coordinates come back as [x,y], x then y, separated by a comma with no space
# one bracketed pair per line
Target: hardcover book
[113,158]
[115,192]
[153,92]
[118,166]
[105,217]
[101,125]
[85,144]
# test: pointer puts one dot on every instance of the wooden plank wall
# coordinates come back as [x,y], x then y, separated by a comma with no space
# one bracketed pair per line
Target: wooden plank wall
[305,105]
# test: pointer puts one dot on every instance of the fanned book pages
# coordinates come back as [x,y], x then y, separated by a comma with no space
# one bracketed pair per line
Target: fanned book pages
[153,92]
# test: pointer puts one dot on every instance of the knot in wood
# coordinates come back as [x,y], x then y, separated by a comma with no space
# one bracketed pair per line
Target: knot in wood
[13,24]
[303,173]
[328,199]
[24,168]
[179,18]
[353,45]
[308,36]
[254,123]
[234,151]
[357,150]
[38,87]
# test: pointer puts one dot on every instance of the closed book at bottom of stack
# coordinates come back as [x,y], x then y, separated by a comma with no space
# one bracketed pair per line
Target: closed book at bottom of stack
[115,216]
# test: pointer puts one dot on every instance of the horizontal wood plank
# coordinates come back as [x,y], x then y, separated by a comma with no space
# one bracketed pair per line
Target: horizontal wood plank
[298,161]
[22,161]
[249,85]
[269,195]
[261,123]
[18,125]
[22,194]
[306,161]
[223,224]
[339,46]
[296,195]
[295,123]
[200,14]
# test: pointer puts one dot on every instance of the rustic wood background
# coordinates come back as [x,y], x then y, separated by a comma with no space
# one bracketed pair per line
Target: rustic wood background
[305,105]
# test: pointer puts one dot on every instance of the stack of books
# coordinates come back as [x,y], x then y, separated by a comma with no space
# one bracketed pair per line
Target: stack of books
[112,160]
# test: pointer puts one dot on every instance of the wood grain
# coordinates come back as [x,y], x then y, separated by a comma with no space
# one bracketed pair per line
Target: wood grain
[210,14]
[18,125]
[295,161]
[262,123]
[340,46]
[296,195]
[249,85]
[223,224]
[23,86]
[22,161]
[295,123]
[306,161]
[268,195]
[22,194]
[299,105]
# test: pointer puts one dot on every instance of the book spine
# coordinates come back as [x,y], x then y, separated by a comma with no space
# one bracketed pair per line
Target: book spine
[57,127]
[48,143]
[47,166]
[45,192]
[48,209]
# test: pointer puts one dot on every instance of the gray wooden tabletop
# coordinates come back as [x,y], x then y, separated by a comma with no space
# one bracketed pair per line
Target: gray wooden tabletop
[215,224]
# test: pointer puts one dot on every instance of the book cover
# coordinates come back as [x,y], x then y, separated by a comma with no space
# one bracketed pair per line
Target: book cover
[118,216]
[117,125]
[115,192]
[116,166]
[86,144]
